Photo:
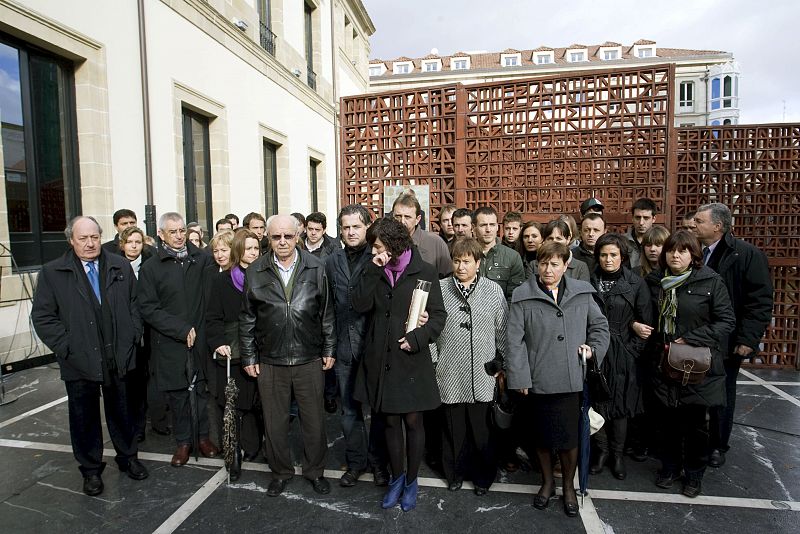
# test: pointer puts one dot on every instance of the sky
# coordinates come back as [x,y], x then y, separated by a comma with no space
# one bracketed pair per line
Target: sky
[761,35]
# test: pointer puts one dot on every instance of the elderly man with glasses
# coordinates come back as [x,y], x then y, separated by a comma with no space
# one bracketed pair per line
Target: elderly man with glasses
[287,339]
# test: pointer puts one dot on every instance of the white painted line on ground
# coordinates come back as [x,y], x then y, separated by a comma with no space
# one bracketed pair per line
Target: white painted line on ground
[591,520]
[22,416]
[773,389]
[179,516]
[766,383]
[499,487]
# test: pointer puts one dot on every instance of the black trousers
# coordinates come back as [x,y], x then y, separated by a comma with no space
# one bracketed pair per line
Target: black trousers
[721,424]
[467,449]
[612,436]
[85,428]
[684,439]
[276,383]
[180,406]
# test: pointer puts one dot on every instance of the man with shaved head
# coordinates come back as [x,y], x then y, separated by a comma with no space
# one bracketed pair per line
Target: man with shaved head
[287,339]
[85,310]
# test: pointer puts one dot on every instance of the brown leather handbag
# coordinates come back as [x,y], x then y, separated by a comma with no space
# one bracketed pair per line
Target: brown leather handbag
[685,363]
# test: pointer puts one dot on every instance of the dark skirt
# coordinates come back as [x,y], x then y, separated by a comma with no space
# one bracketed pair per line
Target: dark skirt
[554,420]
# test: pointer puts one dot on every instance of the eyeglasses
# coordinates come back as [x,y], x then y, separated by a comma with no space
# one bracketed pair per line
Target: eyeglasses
[286,237]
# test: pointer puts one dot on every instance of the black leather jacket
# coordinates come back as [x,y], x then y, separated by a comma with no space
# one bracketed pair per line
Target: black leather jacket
[275,331]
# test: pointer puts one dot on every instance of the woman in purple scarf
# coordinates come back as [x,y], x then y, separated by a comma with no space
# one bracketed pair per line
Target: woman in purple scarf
[396,377]
[222,326]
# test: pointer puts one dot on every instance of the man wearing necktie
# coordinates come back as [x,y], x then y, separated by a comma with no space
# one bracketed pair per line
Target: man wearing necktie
[745,270]
[85,310]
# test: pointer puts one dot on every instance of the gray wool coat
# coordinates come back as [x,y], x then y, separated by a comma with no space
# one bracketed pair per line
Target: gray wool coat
[542,337]
[473,335]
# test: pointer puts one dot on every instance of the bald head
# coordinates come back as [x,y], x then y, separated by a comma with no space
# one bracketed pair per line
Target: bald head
[282,231]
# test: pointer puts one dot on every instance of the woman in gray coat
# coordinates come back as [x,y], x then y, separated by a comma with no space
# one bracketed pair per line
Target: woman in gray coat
[558,231]
[469,354]
[552,320]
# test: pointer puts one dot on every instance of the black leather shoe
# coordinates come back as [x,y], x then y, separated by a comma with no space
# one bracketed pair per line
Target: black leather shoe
[249,457]
[639,455]
[92,485]
[571,508]
[599,463]
[321,486]
[350,477]
[330,405]
[692,488]
[717,458]
[618,467]
[665,480]
[380,477]
[540,501]
[277,486]
[479,491]
[455,485]
[135,469]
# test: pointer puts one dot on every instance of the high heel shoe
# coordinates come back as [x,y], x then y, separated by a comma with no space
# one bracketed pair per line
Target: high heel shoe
[540,501]
[571,508]
[409,499]
[396,486]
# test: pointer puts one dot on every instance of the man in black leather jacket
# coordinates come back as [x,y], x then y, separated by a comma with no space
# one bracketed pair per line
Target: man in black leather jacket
[287,339]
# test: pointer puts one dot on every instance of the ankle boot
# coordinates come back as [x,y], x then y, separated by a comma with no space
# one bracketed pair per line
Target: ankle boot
[599,463]
[618,466]
[236,465]
[396,486]
[409,499]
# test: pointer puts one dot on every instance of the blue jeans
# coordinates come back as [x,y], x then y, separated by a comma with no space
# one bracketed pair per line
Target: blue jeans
[353,427]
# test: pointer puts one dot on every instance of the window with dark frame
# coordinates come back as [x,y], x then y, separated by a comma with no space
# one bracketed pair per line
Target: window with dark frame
[265,26]
[313,183]
[686,94]
[270,178]
[39,137]
[309,26]
[197,169]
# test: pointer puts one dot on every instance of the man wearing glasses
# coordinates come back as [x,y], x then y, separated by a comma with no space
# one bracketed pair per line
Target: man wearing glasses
[287,339]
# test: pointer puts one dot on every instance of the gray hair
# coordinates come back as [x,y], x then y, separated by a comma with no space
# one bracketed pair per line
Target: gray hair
[295,222]
[355,209]
[720,214]
[71,224]
[169,216]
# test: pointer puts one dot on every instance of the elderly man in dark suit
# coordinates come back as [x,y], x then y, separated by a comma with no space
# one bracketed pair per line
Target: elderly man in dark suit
[173,285]
[85,310]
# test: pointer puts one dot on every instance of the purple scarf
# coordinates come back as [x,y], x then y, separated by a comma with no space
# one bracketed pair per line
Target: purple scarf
[237,276]
[397,266]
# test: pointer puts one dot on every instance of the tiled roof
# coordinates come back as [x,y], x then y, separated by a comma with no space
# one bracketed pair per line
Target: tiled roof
[644,42]
[491,60]
[432,56]
[610,43]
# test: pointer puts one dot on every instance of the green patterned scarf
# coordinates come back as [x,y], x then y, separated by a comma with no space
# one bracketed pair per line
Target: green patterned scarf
[668,302]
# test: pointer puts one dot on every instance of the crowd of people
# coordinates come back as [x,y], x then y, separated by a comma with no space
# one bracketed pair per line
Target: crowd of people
[309,324]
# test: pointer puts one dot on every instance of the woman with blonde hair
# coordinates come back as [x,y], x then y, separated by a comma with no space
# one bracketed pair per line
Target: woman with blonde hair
[221,245]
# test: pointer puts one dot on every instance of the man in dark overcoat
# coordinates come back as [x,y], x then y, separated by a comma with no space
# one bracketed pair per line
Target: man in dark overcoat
[172,289]
[745,271]
[85,310]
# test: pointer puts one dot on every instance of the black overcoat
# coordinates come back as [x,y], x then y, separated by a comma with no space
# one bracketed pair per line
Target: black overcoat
[389,379]
[64,318]
[172,300]
[704,319]
[627,301]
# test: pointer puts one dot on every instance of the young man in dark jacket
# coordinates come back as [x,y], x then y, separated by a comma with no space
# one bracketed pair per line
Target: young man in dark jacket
[85,310]
[745,271]
[287,338]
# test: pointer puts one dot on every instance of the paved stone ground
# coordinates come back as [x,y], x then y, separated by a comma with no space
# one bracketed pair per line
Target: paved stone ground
[756,491]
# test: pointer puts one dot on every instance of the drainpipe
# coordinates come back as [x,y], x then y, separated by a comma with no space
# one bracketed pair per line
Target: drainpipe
[149,208]
[334,54]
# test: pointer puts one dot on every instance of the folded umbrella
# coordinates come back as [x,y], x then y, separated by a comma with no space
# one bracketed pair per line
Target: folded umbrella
[230,438]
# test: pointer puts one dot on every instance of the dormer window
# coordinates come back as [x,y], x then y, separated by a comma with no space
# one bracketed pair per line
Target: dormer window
[610,55]
[644,49]
[544,58]
[377,70]
[402,67]
[575,57]
[432,65]
[646,52]
[511,60]
[461,63]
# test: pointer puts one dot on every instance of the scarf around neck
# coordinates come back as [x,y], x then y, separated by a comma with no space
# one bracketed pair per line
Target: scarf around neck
[668,303]
[397,266]
[179,254]
[237,276]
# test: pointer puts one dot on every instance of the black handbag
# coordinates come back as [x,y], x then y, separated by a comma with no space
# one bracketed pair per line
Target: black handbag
[502,405]
[597,382]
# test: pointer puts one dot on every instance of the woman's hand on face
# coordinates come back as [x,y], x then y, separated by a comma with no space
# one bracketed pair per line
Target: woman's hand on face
[642,330]
[585,349]
[381,259]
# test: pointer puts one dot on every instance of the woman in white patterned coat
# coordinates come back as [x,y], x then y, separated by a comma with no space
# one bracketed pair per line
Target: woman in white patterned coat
[469,354]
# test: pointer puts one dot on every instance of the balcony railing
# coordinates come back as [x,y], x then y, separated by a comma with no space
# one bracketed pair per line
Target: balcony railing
[267,39]
[312,79]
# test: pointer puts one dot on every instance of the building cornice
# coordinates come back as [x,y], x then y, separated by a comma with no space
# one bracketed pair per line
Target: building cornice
[360,12]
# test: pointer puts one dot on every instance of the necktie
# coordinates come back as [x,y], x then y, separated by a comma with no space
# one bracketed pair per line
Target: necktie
[94,279]
[706,254]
